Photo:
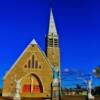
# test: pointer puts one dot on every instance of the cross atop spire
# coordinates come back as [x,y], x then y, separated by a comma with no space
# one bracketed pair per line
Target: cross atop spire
[52,26]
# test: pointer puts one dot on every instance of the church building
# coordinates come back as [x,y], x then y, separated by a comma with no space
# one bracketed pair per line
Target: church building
[34,67]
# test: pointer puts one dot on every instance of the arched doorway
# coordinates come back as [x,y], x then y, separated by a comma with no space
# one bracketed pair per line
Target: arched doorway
[32,84]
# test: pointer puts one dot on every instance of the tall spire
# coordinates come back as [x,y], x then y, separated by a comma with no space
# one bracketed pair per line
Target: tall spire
[52,26]
[52,44]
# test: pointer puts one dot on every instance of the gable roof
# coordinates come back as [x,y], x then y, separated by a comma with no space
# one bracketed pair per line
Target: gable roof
[19,58]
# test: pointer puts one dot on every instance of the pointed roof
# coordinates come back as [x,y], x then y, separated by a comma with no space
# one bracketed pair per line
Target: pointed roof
[52,26]
[33,42]
[23,54]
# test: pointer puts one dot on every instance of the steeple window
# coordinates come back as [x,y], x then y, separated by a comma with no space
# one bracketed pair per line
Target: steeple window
[50,42]
[55,42]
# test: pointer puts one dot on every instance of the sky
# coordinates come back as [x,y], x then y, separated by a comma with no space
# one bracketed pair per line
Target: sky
[77,23]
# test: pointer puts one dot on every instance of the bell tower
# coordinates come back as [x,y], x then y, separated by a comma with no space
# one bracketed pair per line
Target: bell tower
[52,47]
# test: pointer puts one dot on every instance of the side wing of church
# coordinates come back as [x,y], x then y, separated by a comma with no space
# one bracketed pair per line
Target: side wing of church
[34,67]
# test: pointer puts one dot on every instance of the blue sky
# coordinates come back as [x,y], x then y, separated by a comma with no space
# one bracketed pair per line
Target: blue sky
[78,26]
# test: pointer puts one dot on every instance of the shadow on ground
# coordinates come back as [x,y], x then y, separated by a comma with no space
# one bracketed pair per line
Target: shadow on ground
[63,98]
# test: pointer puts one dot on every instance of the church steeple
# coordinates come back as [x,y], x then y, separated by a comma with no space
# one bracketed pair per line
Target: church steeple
[52,37]
[52,27]
[52,47]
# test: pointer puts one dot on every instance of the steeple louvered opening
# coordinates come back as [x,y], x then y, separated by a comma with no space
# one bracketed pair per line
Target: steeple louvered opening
[52,42]
[56,42]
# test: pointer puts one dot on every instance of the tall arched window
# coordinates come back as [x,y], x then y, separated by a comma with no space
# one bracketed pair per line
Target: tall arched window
[25,66]
[36,64]
[29,64]
[40,66]
[33,85]
[33,61]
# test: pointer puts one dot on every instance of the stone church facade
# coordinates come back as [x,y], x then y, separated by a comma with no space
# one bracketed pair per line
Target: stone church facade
[34,67]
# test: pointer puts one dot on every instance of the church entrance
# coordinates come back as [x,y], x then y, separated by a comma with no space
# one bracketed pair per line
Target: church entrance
[32,84]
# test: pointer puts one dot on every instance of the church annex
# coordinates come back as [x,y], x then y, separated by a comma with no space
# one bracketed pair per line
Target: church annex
[34,67]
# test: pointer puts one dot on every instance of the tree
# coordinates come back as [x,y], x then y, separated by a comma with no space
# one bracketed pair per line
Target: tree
[0,91]
[97,69]
[65,91]
[78,89]
[97,91]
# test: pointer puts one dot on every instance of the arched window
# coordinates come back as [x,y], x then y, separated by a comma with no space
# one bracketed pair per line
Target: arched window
[29,64]
[25,66]
[36,64]
[33,61]
[40,66]
[34,85]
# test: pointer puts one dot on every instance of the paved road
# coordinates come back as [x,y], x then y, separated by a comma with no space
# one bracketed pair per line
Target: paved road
[63,98]
[77,98]
[8,98]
